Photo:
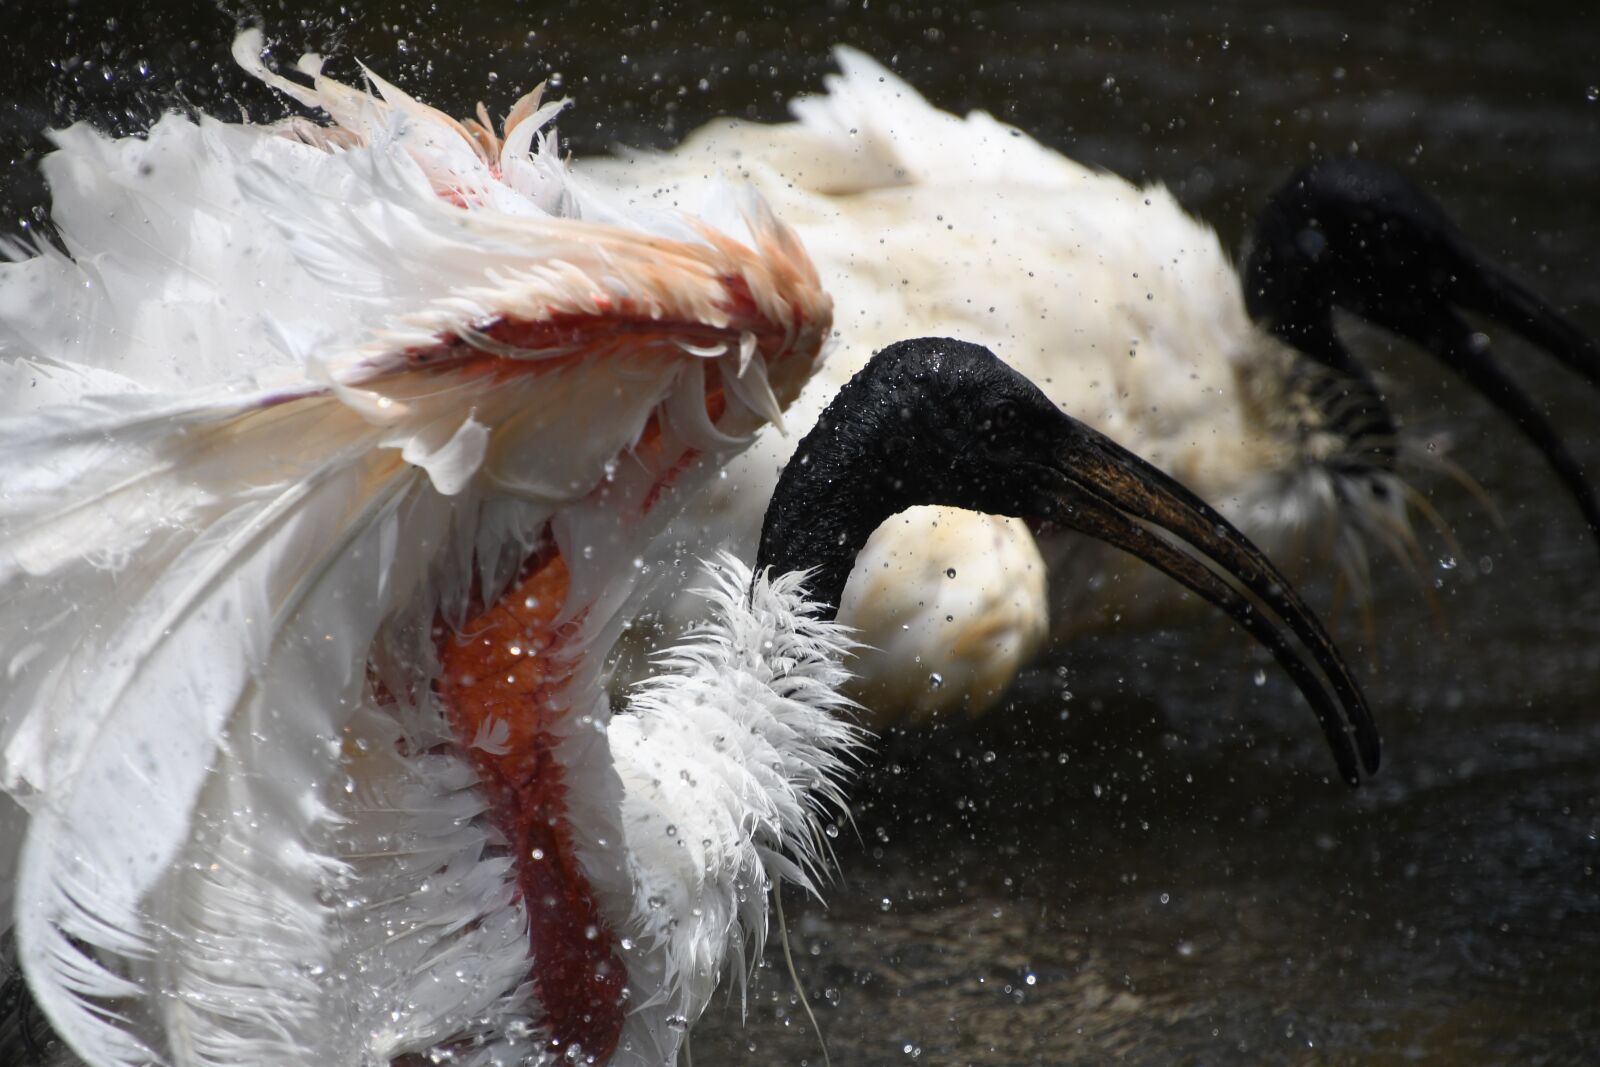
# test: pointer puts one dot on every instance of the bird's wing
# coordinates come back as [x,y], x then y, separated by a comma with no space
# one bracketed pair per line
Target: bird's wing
[291,386]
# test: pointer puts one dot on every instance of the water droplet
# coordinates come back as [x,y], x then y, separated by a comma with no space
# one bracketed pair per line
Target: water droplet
[1260,677]
[1447,563]
[949,572]
[935,680]
[1486,565]
[1592,93]
[1166,898]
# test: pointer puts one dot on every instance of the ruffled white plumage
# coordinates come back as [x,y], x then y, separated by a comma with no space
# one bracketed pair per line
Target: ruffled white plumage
[237,484]
[732,753]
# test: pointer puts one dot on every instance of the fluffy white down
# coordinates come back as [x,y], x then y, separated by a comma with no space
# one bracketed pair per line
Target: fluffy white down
[730,755]
[1124,309]
[233,500]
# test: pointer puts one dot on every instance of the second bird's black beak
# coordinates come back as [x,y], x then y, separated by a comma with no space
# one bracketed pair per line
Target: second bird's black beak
[1360,236]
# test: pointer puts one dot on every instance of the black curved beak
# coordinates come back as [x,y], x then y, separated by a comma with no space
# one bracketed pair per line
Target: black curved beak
[934,420]
[1101,489]
[1478,287]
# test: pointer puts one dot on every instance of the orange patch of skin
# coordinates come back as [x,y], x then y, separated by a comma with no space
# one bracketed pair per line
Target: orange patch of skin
[505,667]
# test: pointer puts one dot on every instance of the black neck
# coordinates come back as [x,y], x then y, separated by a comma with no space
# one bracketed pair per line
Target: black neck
[1352,403]
[833,493]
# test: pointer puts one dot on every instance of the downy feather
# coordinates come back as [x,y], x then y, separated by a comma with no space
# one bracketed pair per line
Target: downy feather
[730,756]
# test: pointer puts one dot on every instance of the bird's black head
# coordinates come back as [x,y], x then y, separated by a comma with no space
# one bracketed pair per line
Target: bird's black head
[937,421]
[953,425]
[1352,234]
[1359,236]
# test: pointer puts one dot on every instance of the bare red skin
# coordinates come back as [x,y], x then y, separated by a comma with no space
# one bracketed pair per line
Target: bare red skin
[505,666]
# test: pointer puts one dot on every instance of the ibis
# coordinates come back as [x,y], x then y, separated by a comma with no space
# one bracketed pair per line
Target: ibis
[334,448]
[1129,313]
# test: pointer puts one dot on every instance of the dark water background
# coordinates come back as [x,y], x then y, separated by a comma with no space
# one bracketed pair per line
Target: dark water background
[1164,876]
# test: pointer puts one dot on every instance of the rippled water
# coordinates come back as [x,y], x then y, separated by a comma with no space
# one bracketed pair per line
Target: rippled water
[1156,870]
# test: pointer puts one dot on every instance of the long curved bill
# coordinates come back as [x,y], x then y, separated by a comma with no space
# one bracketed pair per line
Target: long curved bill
[1103,488]
[1476,286]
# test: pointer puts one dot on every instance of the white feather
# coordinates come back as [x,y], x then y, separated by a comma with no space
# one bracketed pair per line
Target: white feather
[267,450]
[729,758]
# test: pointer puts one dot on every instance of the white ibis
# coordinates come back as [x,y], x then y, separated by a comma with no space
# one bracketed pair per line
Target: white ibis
[1130,314]
[331,450]
[303,415]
